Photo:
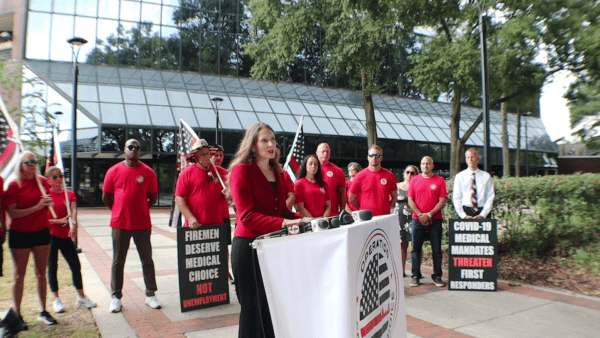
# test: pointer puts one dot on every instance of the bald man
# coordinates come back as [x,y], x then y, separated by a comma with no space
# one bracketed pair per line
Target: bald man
[334,178]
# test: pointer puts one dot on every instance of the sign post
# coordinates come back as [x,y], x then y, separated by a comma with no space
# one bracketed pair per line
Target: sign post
[202,258]
[473,247]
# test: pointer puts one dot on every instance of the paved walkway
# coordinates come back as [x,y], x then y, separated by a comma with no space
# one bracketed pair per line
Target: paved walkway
[520,311]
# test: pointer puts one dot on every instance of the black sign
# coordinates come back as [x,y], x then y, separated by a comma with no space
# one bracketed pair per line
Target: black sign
[202,257]
[473,251]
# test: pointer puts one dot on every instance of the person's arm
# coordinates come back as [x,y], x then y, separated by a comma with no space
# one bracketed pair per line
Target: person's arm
[152,198]
[192,221]
[109,199]
[291,198]
[354,200]
[74,224]
[302,210]
[327,208]
[394,198]
[489,199]
[457,196]
[413,206]
[15,212]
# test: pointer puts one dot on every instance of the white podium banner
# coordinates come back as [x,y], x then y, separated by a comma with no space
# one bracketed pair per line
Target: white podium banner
[344,282]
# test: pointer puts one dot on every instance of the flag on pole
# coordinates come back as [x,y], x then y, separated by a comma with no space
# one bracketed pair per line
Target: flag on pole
[55,154]
[296,154]
[187,138]
[9,136]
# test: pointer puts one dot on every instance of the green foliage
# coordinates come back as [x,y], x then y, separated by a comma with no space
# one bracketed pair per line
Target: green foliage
[584,107]
[547,216]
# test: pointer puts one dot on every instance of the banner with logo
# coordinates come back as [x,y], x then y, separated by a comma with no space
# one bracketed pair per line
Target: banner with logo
[473,252]
[344,282]
[202,258]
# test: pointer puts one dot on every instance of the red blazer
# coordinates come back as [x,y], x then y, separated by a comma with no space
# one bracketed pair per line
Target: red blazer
[260,209]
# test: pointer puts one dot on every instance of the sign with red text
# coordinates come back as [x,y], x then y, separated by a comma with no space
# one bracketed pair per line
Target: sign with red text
[202,257]
[473,252]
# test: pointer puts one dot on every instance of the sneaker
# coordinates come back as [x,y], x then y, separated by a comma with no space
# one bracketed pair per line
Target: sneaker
[414,281]
[152,302]
[86,302]
[24,326]
[58,306]
[45,317]
[115,305]
[438,281]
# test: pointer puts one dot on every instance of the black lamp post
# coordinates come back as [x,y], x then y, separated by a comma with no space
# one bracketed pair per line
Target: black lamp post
[76,43]
[485,89]
[217,100]
[526,114]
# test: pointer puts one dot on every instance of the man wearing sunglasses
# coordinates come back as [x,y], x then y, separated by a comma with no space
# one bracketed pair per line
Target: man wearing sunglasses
[335,180]
[375,186]
[426,198]
[130,189]
[473,193]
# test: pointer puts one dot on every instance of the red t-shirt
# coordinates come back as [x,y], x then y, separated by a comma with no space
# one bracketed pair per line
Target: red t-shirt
[334,178]
[374,189]
[25,196]
[131,187]
[58,230]
[426,193]
[202,195]
[312,195]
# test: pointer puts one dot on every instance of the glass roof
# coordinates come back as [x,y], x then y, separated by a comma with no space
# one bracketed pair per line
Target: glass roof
[120,96]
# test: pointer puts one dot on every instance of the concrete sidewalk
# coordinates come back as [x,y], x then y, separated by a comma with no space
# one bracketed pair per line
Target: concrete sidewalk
[520,311]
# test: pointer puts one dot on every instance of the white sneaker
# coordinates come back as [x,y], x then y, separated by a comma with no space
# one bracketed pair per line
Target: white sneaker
[152,302]
[58,306]
[115,305]
[85,302]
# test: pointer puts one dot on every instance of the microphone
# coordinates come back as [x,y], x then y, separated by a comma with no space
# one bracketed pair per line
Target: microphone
[299,228]
[345,218]
[319,224]
[362,215]
[334,222]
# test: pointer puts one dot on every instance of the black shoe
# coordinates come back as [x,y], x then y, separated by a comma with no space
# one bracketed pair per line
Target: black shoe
[414,282]
[24,326]
[45,317]
[439,282]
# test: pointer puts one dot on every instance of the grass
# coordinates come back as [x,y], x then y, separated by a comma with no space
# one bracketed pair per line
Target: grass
[75,322]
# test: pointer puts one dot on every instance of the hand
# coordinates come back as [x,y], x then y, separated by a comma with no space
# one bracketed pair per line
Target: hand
[46,201]
[478,217]
[193,223]
[424,218]
[73,232]
[305,219]
[226,194]
[64,221]
[469,217]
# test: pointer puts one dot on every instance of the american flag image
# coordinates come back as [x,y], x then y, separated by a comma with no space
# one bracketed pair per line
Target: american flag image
[54,154]
[296,154]
[9,134]
[187,138]
[377,300]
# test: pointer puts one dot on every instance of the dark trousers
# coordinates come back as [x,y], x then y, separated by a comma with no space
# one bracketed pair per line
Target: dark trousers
[469,211]
[434,233]
[69,252]
[121,240]
[251,295]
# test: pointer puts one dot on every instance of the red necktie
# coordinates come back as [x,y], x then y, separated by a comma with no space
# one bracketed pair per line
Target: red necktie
[473,192]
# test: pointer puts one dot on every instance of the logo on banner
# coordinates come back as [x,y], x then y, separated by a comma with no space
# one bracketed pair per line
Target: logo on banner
[377,281]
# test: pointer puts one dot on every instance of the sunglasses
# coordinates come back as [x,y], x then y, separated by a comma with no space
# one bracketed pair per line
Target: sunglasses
[132,147]
[57,176]
[375,155]
[31,162]
[411,172]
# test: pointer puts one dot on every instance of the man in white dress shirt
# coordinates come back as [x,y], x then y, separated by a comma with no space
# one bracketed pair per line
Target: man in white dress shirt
[473,193]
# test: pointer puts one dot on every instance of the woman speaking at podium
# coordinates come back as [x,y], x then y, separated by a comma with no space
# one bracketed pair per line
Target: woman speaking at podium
[258,191]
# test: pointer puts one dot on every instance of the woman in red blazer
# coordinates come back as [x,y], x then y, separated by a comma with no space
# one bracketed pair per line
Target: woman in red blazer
[259,193]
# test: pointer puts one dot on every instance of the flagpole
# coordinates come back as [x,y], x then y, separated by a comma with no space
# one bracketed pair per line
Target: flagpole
[218,175]
[289,157]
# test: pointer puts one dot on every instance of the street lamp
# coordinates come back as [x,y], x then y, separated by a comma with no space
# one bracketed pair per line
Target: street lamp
[76,43]
[526,114]
[217,100]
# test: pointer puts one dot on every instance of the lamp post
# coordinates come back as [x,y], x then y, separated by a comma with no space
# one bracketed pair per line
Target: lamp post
[485,91]
[76,43]
[217,100]
[526,114]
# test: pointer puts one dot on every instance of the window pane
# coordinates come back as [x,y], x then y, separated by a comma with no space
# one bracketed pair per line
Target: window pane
[85,93]
[247,119]
[402,132]
[297,108]
[87,7]
[156,97]
[162,116]
[178,98]
[346,112]
[38,36]
[428,134]
[357,128]
[85,28]
[62,30]
[270,120]
[387,130]
[113,139]
[164,140]
[200,100]
[105,53]
[260,105]
[64,6]
[279,107]
[330,111]
[417,135]
[341,127]
[106,9]
[137,115]
[288,123]
[241,103]
[92,108]
[314,109]
[110,94]
[151,13]
[40,5]
[133,95]
[187,114]
[325,126]
[206,117]
[168,15]
[144,136]
[360,112]
[113,113]
[228,120]
[130,10]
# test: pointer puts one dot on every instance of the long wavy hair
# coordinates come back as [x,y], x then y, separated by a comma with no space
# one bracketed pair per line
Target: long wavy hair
[318,175]
[15,174]
[244,153]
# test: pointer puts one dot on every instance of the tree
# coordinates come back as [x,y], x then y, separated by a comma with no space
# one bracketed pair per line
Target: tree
[584,107]
[348,38]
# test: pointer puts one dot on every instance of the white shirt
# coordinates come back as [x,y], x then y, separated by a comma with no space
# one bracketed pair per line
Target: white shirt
[461,194]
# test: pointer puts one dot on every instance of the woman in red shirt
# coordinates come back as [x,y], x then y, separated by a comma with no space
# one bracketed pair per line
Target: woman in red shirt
[61,234]
[258,191]
[311,198]
[353,169]
[29,233]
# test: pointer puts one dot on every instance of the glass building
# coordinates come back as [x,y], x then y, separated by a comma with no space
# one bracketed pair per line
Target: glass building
[150,63]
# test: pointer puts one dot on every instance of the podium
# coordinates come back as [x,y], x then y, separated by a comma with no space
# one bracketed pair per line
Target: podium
[344,282]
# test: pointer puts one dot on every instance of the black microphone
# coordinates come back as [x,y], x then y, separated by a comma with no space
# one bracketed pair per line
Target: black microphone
[274,234]
[362,215]
[319,224]
[334,222]
[345,218]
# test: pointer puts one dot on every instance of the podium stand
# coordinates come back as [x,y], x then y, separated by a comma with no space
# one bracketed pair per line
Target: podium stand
[344,282]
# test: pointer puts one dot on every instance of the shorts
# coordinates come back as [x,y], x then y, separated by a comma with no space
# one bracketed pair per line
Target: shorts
[27,240]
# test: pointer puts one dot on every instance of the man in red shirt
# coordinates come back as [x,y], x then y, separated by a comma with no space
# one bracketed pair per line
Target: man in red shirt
[130,189]
[376,186]
[199,194]
[334,178]
[426,198]
[218,155]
